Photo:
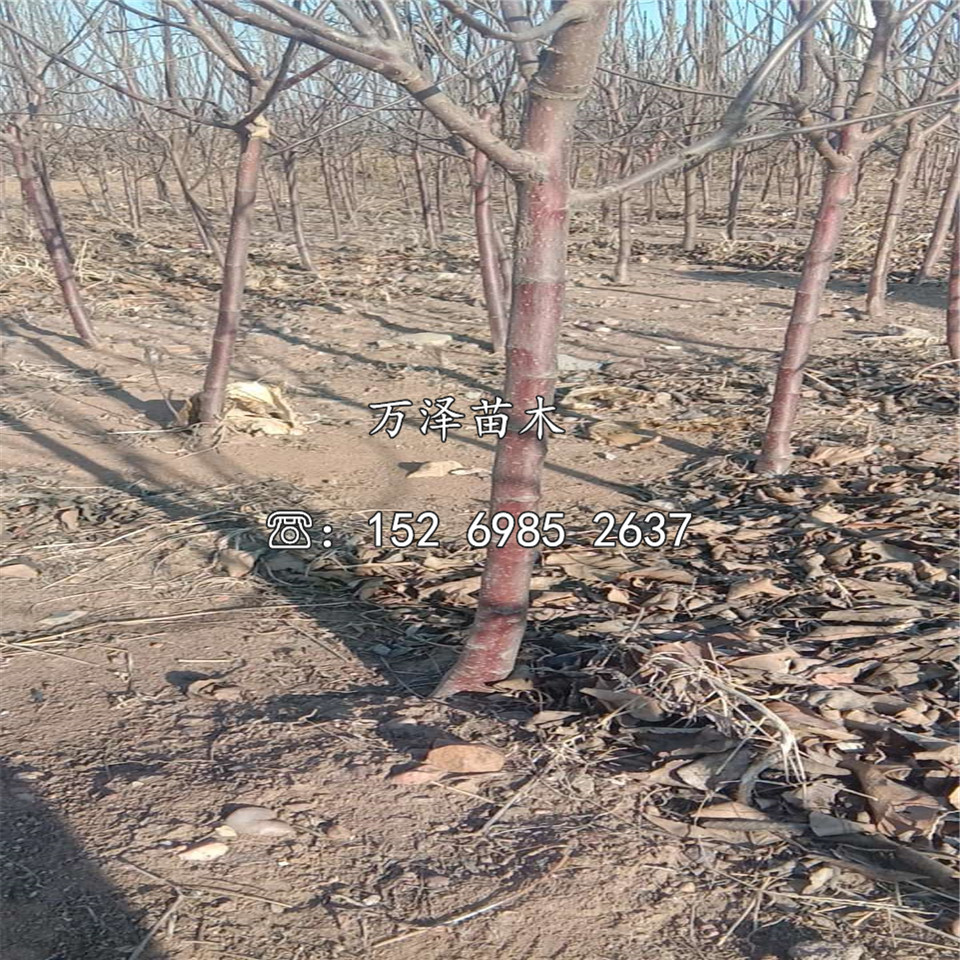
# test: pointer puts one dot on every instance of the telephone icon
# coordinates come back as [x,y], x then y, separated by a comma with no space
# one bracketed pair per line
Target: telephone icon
[289,529]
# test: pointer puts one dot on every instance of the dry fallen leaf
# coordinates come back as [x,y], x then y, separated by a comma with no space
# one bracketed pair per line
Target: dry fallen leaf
[833,455]
[19,570]
[581,563]
[730,810]
[897,808]
[804,722]
[236,563]
[424,773]
[433,468]
[632,702]
[249,407]
[466,758]
[749,588]
[622,434]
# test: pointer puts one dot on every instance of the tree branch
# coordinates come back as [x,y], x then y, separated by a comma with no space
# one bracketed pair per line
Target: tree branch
[572,12]
[734,119]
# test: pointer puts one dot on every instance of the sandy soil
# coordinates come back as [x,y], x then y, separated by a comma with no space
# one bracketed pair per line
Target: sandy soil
[113,766]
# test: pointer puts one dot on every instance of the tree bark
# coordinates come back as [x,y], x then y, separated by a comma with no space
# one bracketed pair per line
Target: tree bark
[296,209]
[426,211]
[843,163]
[737,172]
[877,286]
[953,290]
[39,202]
[331,197]
[539,278]
[234,272]
[938,239]
[837,193]
[689,209]
[200,216]
[490,274]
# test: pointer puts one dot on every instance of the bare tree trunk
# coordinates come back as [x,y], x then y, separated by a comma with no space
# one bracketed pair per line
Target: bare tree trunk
[506,267]
[38,201]
[689,209]
[938,239]
[953,291]
[425,207]
[82,180]
[768,180]
[104,188]
[438,195]
[877,286]
[331,197]
[234,272]
[200,217]
[273,199]
[50,199]
[737,170]
[621,273]
[539,279]
[486,245]
[349,181]
[843,163]
[800,192]
[163,191]
[837,192]
[133,214]
[403,183]
[296,209]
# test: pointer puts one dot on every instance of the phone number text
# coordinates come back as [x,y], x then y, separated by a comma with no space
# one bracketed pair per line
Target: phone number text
[531,529]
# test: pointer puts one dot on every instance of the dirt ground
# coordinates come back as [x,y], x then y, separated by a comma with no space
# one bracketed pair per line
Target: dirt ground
[115,763]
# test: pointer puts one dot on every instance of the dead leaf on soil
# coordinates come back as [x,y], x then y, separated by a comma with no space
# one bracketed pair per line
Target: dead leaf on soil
[832,455]
[249,407]
[432,469]
[898,810]
[750,588]
[236,563]
[623,434]
[466,758]
[581,563]
[632,702]
[19,570]
[423,773]
[211,689]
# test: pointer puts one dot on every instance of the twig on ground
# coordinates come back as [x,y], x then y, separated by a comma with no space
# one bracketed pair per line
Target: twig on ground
[476,911]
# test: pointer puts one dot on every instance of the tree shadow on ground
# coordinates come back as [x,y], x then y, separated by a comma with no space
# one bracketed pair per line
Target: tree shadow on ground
[55,903]
[900,292]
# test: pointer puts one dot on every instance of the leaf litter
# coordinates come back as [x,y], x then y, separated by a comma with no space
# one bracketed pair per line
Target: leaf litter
[784,679]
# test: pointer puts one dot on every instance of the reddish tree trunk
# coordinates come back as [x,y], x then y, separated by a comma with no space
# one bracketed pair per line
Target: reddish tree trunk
[837,192]
[953,291]
[39,202]
[941,227]
[539,279]
[426,211]
[296,209]
[490,274]
[877,286]
[234,272]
